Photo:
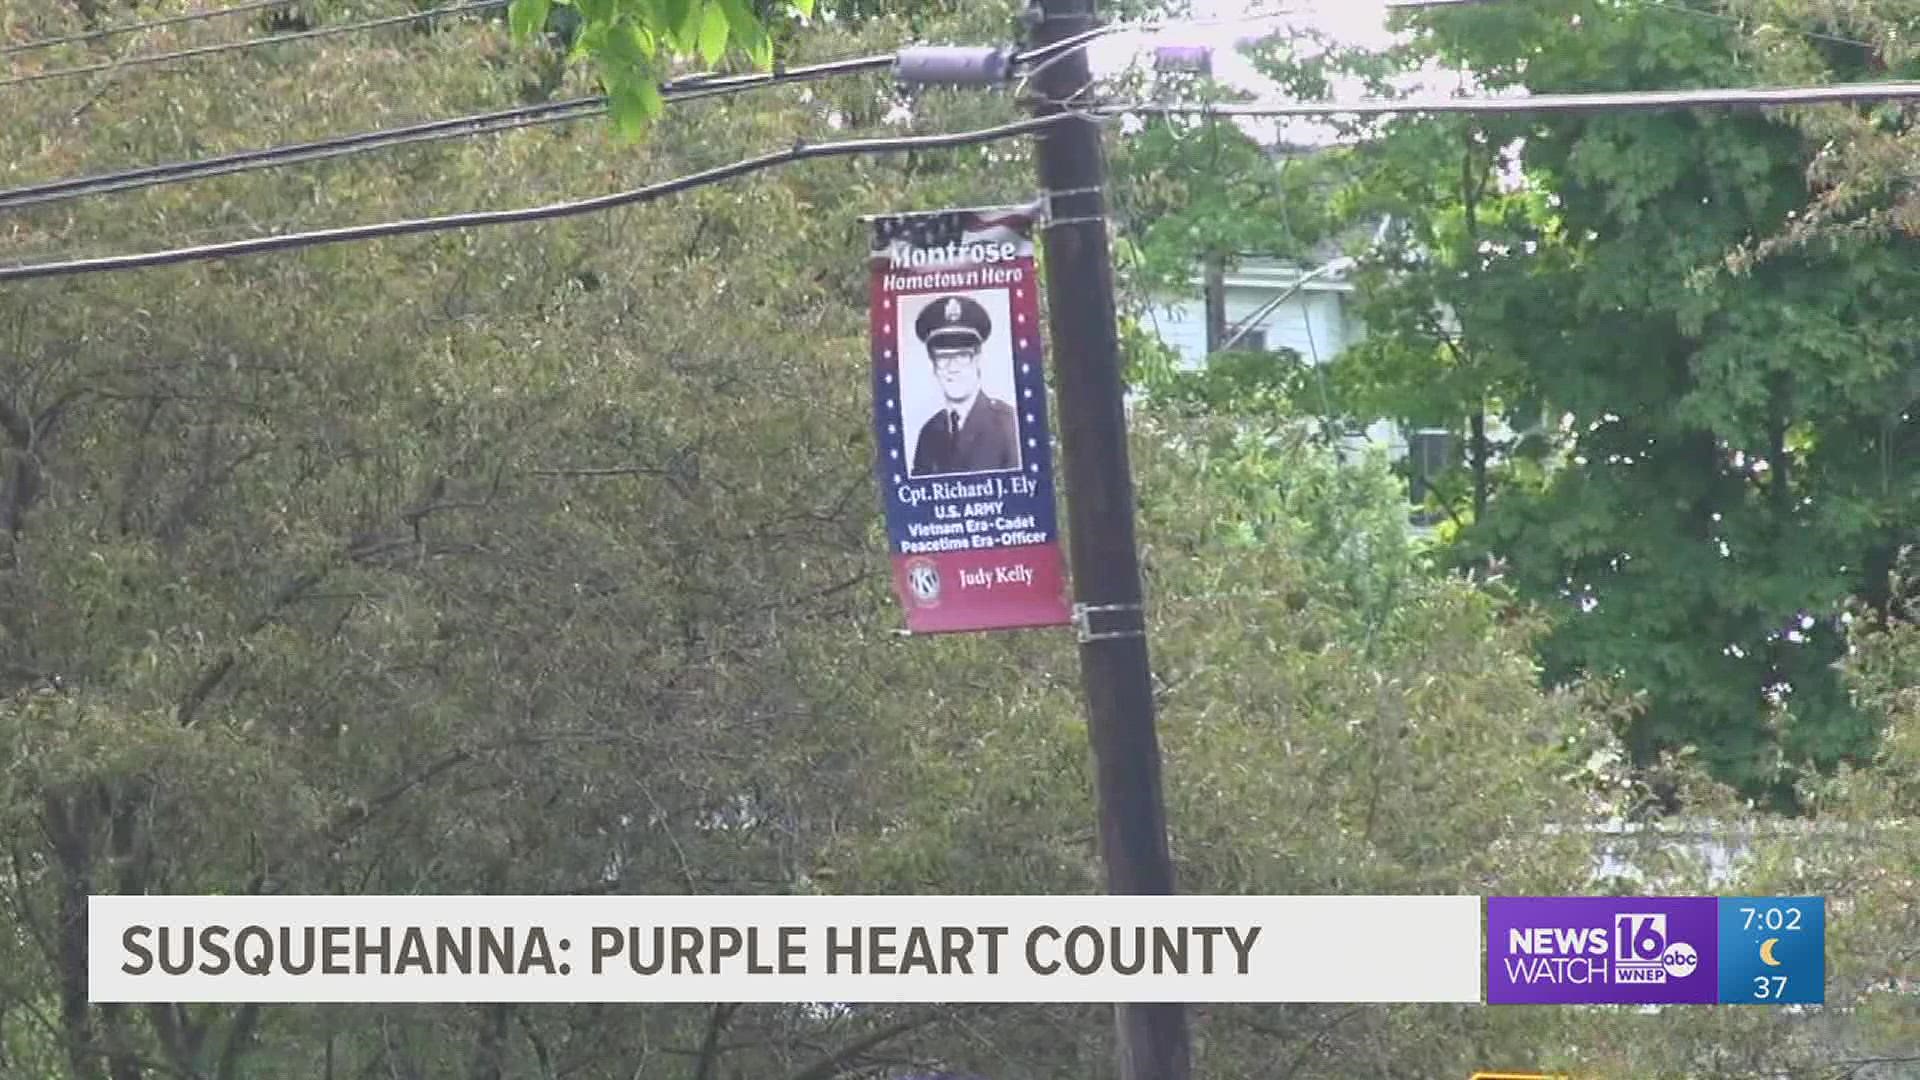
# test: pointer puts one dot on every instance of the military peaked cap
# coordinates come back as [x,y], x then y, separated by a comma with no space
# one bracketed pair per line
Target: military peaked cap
[953,322]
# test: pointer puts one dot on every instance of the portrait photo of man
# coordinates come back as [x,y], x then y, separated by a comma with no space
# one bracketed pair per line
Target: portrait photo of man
[970,430]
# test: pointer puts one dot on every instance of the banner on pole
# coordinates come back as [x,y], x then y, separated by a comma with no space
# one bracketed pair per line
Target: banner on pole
[965,464]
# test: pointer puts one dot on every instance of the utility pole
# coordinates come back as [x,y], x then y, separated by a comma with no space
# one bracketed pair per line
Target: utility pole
[1215,288]
[1115,677]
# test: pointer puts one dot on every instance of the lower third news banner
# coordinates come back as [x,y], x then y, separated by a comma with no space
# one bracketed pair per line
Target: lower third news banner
[960,420]
[873,949]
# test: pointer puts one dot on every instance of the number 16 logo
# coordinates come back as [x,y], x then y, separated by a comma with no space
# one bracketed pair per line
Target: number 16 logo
[1639,937]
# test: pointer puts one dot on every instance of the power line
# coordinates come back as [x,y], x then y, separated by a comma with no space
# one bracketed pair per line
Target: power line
[1666,5]
[370,24]
[251,43]
[687,88]
[383,230]
[128,28]
[1816,35]
[1594,102]
[696,86]
[1551,103]
[319,149]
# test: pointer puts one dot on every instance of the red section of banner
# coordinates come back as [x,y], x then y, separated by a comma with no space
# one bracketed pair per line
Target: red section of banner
[986,589]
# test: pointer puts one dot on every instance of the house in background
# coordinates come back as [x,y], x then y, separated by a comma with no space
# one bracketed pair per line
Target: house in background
[1306,310]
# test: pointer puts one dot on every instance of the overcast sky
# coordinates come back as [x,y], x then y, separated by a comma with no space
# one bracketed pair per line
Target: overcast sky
[1219,24]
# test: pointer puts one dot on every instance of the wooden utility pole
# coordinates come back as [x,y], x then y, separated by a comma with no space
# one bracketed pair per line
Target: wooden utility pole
[1153,1038]
[1215,290]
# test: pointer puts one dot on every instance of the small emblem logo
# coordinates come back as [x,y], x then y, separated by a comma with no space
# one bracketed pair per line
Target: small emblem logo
[924,580]
[953,309]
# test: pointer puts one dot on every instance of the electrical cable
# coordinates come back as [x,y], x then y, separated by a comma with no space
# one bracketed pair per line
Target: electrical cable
[151,24]
[649,193]
[1815,35]
[319,149]
[1760,97]
[686,88]
[1669,5]
[1545,102]
[554,112]
[250,43]
[1048,55]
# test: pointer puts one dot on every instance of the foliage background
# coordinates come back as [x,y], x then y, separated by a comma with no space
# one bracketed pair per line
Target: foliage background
[544,560]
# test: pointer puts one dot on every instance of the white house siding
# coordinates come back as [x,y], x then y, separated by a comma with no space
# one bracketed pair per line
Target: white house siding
[1315,322]
[1312,322]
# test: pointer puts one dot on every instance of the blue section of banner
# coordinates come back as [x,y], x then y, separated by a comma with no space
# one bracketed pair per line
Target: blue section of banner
[1009,503]
[1002,508]
[1773,950]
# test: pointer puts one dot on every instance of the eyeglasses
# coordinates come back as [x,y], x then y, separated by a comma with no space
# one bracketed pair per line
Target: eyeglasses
[953,359]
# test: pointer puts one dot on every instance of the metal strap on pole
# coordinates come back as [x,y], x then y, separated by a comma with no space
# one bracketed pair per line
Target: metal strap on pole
[1094,212]
[1121,621]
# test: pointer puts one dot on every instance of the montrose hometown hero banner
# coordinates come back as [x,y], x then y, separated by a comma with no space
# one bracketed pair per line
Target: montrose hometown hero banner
[965,463]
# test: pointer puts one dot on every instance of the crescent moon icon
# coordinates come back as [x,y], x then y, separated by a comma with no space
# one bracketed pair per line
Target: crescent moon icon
[1766,952]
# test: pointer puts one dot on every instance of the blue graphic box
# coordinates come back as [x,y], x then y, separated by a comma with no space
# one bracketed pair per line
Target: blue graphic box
[1773,950]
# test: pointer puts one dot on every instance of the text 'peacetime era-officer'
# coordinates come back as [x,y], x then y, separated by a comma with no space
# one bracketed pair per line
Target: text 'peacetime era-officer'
[973,431]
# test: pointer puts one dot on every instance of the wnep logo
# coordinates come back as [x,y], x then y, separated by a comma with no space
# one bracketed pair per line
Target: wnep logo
[1642,953]
[1601,950]
[1575,955]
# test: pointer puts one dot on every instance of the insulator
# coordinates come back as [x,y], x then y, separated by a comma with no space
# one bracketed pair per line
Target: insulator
[1195,58]
[953,65]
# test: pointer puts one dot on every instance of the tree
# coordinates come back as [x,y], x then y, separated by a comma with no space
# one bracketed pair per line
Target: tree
[541,560]
[1733,458]
[1436,352]
[412,566]
[1857,185]
[633,43]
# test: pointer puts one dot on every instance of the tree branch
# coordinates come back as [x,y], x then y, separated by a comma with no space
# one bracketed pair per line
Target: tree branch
[540,1051]
[239,1034]
[215,673]
[18,429]
[717,1021]
[344,826]
[837,1062]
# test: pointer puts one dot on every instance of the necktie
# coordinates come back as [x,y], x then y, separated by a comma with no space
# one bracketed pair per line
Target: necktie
[953,424]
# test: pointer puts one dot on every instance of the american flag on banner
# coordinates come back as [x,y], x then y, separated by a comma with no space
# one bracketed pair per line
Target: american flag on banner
[1003,224]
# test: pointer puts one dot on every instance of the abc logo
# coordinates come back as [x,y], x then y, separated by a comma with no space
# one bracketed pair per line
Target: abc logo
[1680,959]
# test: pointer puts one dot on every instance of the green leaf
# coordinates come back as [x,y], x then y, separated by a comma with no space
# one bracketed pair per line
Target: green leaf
[528,17]
[628,50]
[713,34]
[633,103]
[591,41]
[679,22]
[804,7]
[748,34]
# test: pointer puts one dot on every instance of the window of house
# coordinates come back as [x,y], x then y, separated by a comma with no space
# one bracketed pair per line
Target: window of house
[1431,453]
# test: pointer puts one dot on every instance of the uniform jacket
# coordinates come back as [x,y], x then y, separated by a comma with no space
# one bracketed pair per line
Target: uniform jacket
[989,439]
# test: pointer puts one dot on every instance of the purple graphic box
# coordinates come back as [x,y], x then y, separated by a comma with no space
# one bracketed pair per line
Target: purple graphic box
[1602,950]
